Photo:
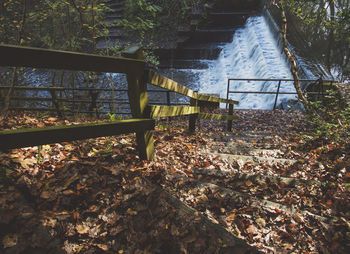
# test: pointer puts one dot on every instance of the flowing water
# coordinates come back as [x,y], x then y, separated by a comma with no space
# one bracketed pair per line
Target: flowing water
[253,53]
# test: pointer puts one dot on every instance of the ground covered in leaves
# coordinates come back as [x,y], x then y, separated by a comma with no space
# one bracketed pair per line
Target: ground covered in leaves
[257,188]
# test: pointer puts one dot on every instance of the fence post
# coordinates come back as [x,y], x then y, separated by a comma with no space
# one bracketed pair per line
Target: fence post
[193,118]
[55,102]
[230,113]
[278,90]
[168,98]
[138,99]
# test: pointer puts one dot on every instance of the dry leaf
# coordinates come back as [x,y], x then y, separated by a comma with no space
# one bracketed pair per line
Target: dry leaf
[82,229]
[248,183]
[298,218]
[252,230]
[261,222]
[103,247]
[10,240]
[231,217]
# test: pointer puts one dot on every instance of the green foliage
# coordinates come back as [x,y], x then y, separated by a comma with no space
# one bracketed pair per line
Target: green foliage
[330,119]
[152,21]
[141,17]
[114,117]
[325,26]
[68,25]
[39,159]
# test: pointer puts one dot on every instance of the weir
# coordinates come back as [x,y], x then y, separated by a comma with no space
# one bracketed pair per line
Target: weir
[252,53]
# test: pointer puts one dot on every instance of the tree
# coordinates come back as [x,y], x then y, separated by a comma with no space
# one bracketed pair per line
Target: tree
[325,27]
[289,55]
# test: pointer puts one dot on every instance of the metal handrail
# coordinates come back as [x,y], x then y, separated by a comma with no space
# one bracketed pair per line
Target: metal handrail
[278,87]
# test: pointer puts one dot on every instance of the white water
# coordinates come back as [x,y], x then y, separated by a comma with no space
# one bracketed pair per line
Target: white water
[253,53]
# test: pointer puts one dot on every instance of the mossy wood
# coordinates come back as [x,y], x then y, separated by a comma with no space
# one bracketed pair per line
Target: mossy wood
[18,56]
[138,99]
[165,111]
[193,118]
[216,116]
[40,136]
[164,82]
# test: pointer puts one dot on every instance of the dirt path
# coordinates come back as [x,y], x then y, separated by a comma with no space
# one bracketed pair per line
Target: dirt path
[210,192]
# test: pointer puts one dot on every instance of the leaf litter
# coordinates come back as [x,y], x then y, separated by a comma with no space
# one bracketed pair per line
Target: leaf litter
[97,196]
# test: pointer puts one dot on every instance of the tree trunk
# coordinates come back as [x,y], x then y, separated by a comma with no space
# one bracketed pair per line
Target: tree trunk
[330,36]
[290,57]
[15,69]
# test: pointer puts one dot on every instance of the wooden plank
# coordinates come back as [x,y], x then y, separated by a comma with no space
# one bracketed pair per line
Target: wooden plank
[216,116]
[159,80]
[18,56]
[165,111]
[41,136]
[203,97]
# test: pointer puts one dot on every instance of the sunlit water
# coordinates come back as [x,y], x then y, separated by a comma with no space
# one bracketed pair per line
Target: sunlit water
[253,53]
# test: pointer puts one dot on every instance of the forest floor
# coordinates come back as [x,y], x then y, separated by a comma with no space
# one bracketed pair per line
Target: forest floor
[259,188]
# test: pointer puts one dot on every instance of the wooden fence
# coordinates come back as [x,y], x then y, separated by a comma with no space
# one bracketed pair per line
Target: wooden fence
[138,77]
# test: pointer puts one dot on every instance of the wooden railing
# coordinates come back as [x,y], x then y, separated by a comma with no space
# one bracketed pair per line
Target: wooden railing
[137,76]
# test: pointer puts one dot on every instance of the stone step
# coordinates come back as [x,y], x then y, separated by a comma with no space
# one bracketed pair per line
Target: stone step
[183,64]
[217,19]
[238,150]
[238,199]
[248,158]
[105,42]
[113,16]
[116,5]
[189,53]
[255,178]
[211,36]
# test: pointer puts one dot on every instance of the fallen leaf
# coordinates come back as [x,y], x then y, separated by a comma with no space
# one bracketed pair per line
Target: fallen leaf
[231,217]
[298,218]
[9,240]
[82,229]
[103,247]
[252,230]
[261,222]
[249,183]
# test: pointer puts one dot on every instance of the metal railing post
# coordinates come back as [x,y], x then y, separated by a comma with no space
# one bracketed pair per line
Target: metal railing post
[228,90]
[278,90]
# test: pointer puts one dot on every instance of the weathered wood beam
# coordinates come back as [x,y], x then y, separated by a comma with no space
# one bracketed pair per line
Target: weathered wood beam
[159,80]
[216,116]
[193,118]
[165,111]
[40,136]
[18,56]
[138,99]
